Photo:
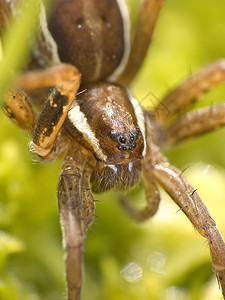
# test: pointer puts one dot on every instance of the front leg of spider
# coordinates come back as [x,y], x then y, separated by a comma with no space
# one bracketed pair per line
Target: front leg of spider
[69,201]
[186,197]
[76,209]
[66,81]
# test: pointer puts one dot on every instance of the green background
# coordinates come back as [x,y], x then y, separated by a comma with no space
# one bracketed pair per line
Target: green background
[172,257]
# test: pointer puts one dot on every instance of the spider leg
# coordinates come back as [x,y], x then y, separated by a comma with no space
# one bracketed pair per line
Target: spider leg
[16,106]
[196,122]
[18,109]
[66,80]
[152,198]
[186,197]
[189,91]
[88,202]
[146,20]
[69,197]
[76,214]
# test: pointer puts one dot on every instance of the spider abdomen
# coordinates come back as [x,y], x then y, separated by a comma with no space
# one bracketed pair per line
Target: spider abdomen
[92,35]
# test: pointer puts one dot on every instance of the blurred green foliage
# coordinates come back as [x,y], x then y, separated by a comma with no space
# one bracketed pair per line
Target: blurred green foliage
[16,56]
[172,260]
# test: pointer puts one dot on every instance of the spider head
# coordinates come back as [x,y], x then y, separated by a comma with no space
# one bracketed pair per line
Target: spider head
[109,122]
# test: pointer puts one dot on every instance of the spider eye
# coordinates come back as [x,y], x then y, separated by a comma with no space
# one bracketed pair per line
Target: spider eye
[131,138]
[122,139]
[114,135]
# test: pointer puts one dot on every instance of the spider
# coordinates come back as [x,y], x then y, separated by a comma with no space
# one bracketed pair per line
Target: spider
[106,138]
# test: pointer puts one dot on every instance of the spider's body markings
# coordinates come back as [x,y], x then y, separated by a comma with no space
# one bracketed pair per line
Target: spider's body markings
[54,111]
[105,136]
[110,130]
[96,115]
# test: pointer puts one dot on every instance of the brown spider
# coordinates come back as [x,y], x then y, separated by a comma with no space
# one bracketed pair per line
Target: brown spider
[106,138]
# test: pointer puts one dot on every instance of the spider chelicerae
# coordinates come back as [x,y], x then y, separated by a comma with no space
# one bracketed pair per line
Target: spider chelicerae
[106,141]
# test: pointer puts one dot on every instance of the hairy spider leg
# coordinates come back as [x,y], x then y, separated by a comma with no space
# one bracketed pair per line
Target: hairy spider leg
[66,81]
[88,202]
[76,208]
[152,199]
[18,109]
[193,123]
[186,197]
[69,201]
[189,91]
[196,122]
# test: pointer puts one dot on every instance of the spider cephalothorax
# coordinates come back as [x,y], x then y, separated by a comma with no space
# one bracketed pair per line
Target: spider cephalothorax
[106,138]
[108,123]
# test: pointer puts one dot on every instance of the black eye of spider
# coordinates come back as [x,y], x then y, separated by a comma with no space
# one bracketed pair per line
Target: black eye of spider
[131,138]
[122,139]
[114,135]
